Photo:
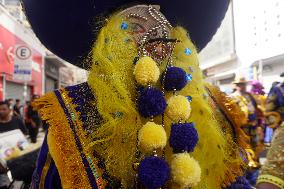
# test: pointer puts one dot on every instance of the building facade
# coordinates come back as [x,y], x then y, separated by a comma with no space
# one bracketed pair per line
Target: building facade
[249,43]
[13,33]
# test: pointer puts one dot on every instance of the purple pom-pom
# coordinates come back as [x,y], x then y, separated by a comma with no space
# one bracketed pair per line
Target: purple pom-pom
[175,78]
[151,102]
[184,137]
[153,172]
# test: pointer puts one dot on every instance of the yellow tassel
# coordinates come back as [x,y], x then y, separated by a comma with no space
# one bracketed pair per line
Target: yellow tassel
[185,170]
[178,108]
[151,137]
[146,71]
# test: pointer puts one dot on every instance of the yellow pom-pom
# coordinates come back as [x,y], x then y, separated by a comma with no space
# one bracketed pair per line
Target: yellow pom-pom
[146,71]
[178,108]
[185,170]
[152,136]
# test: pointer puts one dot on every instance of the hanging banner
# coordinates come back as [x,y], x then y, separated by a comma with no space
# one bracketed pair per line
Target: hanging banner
[22,63]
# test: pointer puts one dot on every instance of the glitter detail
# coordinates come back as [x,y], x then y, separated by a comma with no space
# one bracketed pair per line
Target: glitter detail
[95,173]
[187,51]
[189,77]
[84,105]
[124,26]
[189,98]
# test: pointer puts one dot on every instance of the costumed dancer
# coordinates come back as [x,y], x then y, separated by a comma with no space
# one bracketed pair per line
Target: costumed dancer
[260,98]
[145,118]
[272,172]
[252,126]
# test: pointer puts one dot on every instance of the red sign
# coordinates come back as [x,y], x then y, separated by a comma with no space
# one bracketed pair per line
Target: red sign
[8,41]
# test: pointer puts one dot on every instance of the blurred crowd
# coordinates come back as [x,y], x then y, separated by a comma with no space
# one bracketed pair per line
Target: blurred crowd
[264,114]
[17,115]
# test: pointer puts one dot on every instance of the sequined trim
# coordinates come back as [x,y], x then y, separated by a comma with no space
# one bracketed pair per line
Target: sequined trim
[71,117]
[271,179]
[81,135]
[87,120]
[94,168]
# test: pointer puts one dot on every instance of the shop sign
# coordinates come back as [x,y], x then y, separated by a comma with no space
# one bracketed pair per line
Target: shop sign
[22,63]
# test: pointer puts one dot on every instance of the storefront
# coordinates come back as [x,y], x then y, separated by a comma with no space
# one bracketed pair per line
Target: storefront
[12,34]
[52,72]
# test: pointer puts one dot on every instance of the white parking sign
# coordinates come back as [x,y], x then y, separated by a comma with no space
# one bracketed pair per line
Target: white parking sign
[22,63]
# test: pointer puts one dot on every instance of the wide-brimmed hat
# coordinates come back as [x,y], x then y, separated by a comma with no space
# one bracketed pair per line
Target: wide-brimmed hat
[66,27]
[240,80]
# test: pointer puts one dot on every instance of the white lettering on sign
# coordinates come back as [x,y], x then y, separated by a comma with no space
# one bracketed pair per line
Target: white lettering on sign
[22,63]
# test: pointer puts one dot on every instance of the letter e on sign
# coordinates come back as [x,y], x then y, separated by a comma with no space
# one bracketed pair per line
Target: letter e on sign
[23,52]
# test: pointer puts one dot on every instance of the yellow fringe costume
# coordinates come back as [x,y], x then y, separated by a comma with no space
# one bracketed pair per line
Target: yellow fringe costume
[112,82]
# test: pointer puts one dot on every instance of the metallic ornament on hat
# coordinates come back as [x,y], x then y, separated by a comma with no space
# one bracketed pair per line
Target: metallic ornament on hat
[150,28]
[144,18]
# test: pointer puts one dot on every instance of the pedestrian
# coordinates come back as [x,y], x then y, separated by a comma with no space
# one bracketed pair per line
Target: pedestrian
[17,108]
[33,122]
[9,122]
[11,105]
[257,92]
[275,99]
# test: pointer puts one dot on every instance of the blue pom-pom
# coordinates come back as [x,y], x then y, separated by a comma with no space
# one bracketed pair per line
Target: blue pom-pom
[175,78]
[184,137]
[151,102]
[241,183]
[153,172]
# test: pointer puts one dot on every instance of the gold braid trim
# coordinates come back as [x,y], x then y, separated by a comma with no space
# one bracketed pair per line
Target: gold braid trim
[271,179]
[233,112]
[44,171]
[61,143]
